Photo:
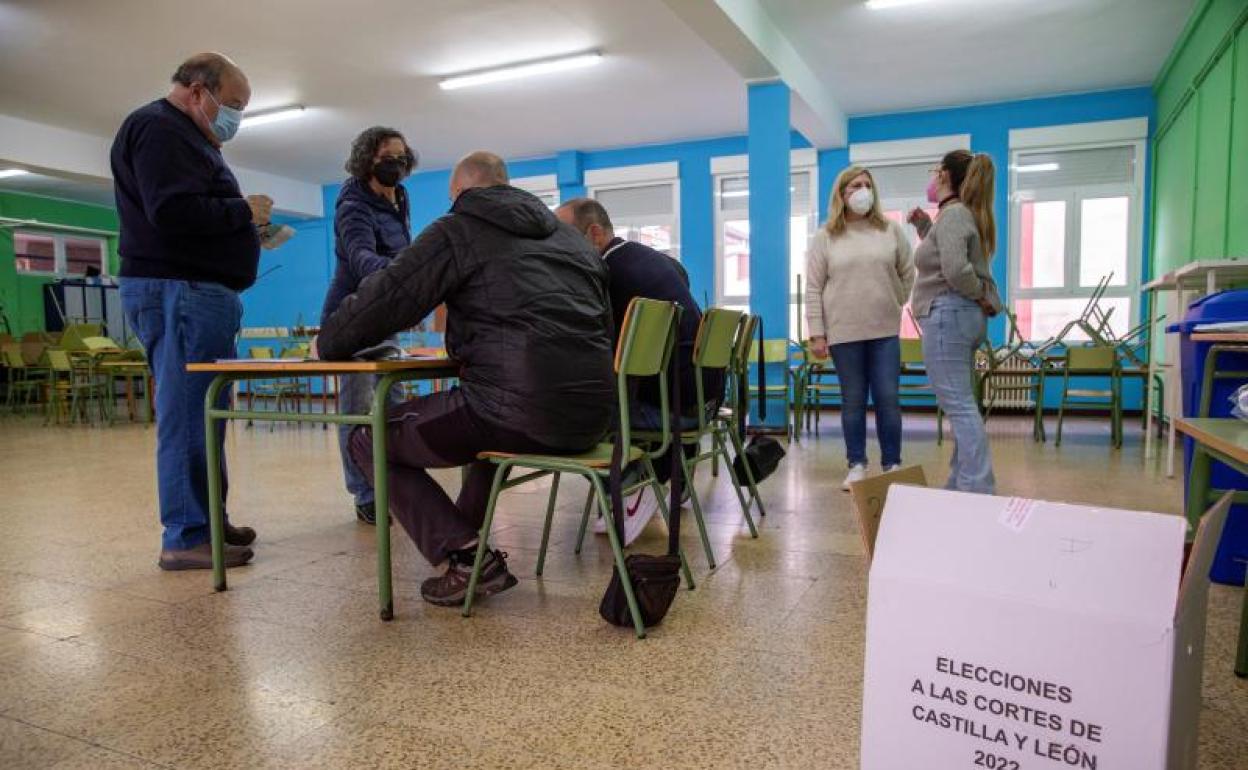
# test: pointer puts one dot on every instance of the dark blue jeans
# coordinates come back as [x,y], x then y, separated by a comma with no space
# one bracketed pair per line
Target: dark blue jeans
[180,322]
[870,367]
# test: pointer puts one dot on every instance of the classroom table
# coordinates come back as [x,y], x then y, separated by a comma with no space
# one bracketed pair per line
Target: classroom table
[389,373]
[1224,439]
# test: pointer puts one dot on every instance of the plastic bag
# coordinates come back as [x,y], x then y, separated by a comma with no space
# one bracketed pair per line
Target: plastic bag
[1239,402]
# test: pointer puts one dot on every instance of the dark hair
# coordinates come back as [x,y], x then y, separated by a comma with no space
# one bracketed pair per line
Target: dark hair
[971,175]
[205,68]
[586,212]
[360,162]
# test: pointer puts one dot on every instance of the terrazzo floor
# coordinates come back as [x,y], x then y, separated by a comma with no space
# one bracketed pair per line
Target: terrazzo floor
[105,662]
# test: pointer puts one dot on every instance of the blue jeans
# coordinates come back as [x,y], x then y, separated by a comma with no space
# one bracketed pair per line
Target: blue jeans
[180,322]
[870,366]
[355,396]
[952,330]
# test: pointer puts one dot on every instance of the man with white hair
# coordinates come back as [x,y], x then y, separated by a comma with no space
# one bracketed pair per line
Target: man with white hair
[529,320]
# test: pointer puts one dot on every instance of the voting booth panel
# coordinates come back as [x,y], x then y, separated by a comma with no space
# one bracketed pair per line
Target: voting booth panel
[1007,634]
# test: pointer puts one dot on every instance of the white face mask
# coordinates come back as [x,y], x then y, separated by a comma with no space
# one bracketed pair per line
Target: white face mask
[861,200]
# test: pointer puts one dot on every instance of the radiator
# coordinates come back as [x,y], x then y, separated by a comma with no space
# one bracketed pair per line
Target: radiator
[1006,392]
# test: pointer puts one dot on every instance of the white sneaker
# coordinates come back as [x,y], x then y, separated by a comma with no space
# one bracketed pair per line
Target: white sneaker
[891,468]
[600,525]
[632,508]
[856,473]
[641,514]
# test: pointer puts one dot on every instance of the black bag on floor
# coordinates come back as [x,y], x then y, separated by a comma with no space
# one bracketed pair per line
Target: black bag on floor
[763,453]
[655,579]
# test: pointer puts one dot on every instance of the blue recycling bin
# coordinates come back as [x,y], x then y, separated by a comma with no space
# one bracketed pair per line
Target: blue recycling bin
[1229,562]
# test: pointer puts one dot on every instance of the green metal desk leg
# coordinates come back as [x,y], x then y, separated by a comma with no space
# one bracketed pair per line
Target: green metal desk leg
[1197,488]
[1241,660]
[381,493]
[216,523]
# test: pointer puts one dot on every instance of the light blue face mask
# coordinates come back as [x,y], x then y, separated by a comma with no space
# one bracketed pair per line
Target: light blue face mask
[228,119]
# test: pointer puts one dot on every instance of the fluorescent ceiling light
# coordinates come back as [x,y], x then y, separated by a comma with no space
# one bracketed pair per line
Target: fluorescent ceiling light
[1036,167]
[274,115]
[8,172]
[884,5]
[744,193]
[522,70]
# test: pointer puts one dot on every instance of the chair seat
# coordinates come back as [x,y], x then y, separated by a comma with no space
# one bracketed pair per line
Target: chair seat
[598,458]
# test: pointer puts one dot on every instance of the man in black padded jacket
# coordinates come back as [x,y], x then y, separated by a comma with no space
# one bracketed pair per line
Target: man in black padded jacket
[529,319]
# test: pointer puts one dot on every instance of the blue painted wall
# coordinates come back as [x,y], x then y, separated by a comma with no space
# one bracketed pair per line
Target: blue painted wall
[307,261]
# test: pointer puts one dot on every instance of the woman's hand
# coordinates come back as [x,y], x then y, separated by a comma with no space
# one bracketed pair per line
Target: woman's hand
[920,220]
[986,306]
[819,347]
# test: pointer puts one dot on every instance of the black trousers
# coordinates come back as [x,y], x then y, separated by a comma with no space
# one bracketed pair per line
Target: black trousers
[438,431]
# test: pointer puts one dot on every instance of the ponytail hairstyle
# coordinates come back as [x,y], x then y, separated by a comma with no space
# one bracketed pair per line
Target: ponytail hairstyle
[836,204]
[973,176]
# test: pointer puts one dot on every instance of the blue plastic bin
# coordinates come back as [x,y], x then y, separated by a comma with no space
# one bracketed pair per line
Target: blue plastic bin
[1230,560]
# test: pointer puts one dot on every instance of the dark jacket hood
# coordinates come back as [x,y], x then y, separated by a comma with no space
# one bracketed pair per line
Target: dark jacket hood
[355,191]
[517,211]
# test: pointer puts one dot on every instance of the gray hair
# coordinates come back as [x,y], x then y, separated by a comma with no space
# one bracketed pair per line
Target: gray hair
[205,68]
[481,169]
[586,212]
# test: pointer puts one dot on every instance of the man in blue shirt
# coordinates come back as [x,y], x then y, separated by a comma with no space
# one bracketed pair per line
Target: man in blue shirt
[190,242]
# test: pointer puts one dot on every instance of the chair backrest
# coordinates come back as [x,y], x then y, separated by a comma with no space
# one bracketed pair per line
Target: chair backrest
[775,351]
[13,357]
[1103,357]
[296,351]
[647,338]
[58,360]
[712,349]
[911,352]
[744,342]
[32,351]
[260,351]
[75,335]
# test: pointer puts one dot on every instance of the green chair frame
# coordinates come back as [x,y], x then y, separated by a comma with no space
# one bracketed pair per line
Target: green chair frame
[712,349]
[647,338]
[912,365]
[737,394]
[1092,361]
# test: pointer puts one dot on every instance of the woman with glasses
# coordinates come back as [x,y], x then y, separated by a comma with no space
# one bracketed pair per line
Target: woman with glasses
[860,273]
[954,295]
[371,226]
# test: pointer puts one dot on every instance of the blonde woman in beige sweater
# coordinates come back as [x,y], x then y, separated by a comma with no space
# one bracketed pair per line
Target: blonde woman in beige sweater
[860,272]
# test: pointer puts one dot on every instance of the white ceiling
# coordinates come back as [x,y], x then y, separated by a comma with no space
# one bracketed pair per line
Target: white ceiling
[99,193]
[84,64]
[953,52]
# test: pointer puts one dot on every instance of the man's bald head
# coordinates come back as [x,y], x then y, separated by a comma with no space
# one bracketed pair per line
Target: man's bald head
[210,69]
[477,169]
[203,84]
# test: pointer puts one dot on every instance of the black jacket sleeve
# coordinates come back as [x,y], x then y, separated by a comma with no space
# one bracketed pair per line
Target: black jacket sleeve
[176,196]
[395,298]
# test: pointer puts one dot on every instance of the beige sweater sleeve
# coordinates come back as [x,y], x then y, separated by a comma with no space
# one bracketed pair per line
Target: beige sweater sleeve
[955,231]
[816,280]
[905,263]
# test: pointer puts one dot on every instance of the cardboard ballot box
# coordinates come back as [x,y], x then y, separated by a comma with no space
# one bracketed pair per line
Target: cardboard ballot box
[1015,634]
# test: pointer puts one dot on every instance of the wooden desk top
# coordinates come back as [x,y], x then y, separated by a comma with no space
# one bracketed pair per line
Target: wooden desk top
[296,367]
[1228,435]
[1241,337]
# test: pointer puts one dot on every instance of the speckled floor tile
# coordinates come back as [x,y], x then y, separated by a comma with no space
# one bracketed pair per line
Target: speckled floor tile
[760,667]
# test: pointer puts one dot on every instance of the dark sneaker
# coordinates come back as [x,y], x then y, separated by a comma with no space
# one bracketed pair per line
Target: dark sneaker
[450,588]
[239,535]
[200,557]
[366,513]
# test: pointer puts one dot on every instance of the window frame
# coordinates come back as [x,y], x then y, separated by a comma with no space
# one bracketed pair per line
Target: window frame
[1074,196]
[631,177]
[59,252]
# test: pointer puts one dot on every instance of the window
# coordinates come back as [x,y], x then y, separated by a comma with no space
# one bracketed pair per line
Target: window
[902,187]
[732,238]
[645,213]
[1075,222]
[545,187]
[52,254]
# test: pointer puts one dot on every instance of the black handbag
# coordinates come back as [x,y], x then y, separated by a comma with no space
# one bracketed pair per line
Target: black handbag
[655,579]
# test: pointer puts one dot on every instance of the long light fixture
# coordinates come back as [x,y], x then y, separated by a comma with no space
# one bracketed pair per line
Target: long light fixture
[521,70]
[1036,168]
[884,5]
[744,193]
[10,172]
[274,115]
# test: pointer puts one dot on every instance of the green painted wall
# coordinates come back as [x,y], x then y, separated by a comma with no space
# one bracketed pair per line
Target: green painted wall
[22,295]
[1200,149]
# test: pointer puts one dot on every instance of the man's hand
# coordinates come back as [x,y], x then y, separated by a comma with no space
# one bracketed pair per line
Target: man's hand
[819,347]
[261,209]
[921,221]
[312,351]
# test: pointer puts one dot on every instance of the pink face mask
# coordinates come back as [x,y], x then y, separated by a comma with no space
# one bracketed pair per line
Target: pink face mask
[933,189]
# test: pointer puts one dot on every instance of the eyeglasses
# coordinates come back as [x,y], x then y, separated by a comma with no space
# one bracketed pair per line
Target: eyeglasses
[399,158]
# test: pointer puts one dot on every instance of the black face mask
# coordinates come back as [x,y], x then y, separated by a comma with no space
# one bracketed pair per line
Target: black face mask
[388,171]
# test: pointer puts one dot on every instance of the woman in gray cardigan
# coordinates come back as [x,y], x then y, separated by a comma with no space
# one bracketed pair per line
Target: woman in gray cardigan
[954,295]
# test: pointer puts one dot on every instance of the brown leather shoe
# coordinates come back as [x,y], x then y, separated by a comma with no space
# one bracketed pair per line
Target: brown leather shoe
[200,557]
[450,588]
[239,535]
